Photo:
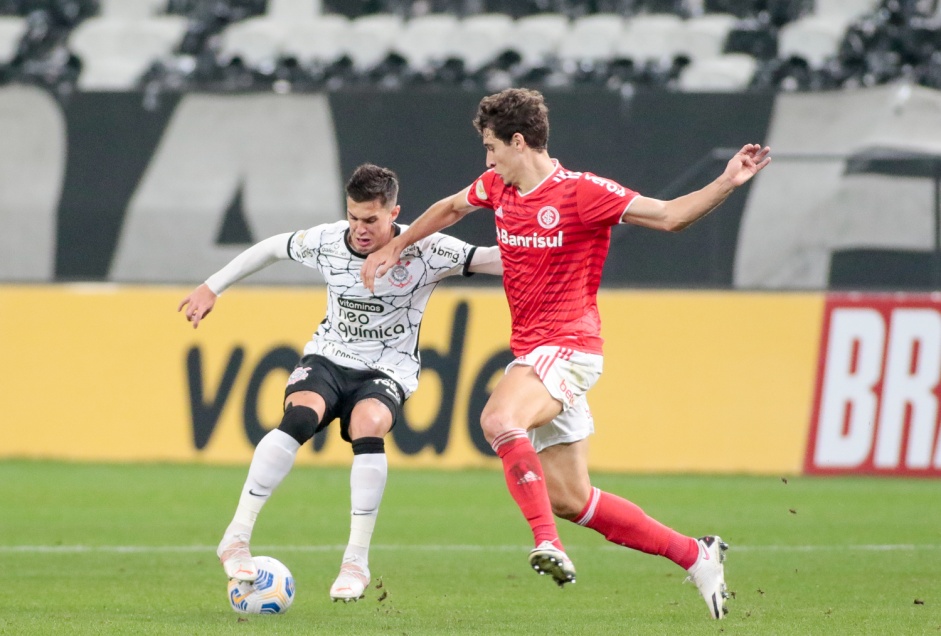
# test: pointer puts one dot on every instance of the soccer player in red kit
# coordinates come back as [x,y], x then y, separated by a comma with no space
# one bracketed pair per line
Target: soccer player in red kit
[554,229]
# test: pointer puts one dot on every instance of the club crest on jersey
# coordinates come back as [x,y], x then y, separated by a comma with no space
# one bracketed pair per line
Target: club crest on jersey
[548,217]
[399,275]
[300,373]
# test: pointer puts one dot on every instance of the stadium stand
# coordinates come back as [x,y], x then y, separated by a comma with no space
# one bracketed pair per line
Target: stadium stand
[12,31]
[317,43]
[371,38]
[705,36]
[426,41]
[257,42]
[117,47]
[731,72]
[649,46]
[481,39]
[588,46]
[536,38]
[161,45]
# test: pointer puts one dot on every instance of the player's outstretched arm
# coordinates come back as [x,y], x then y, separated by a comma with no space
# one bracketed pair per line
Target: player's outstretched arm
[440,215]
[679,213]
[202,299]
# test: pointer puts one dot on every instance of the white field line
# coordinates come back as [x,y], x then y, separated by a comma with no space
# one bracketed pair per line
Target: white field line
[260,549]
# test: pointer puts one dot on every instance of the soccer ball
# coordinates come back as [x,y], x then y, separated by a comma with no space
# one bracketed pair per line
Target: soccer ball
[271,593]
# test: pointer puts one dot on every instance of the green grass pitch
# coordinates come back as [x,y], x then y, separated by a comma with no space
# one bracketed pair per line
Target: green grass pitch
[129,549]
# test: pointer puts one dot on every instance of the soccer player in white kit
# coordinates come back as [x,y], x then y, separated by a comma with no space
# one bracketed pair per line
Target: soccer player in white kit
[360,365]
[553,229]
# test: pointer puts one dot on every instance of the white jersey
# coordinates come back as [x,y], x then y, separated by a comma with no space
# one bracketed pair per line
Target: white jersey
[365,330]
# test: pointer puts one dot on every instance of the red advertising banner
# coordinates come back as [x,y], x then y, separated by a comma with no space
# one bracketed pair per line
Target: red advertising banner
[876,402]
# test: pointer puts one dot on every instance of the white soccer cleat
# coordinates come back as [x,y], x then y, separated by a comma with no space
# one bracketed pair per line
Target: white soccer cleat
[708,573]
[548,559]
[351,583]
[236,559]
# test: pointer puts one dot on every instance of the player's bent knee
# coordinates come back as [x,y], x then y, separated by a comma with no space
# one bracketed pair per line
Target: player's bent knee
[370,427]
[563,511]
[568,503]
[493,423]
[371,418]
[300,422]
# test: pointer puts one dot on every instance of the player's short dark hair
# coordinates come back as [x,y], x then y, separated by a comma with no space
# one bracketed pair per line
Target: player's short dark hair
[515,110]
[370,182]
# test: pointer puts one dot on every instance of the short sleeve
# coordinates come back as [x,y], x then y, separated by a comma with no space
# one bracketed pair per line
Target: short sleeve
[304,246]
[480,194]
[601,202]
[445,255]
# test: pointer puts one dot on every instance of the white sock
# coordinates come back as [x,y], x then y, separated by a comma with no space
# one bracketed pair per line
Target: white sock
[367,482]
[272,461]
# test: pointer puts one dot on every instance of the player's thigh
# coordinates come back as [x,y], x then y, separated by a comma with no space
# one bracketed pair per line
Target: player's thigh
[370,417]
[566,472]
[309,399]
[316,382]
[520,400]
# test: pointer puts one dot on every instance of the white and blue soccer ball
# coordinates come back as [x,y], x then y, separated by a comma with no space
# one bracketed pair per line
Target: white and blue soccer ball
[271,593]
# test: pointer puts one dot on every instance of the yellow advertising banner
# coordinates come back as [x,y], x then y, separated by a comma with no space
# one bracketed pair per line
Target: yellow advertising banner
[693,381]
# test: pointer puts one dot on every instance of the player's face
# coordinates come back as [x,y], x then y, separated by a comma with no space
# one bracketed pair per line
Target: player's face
[502,157]
[370,224]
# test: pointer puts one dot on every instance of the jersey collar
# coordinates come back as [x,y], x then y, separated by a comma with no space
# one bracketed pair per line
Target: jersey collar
[555,162]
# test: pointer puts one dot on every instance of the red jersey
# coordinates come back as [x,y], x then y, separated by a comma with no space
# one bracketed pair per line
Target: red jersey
[553,242]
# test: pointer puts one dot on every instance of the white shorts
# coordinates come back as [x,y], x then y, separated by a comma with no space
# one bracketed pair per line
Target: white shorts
[567,375]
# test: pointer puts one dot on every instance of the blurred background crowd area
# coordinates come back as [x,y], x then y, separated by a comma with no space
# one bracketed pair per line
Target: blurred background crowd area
[622,45]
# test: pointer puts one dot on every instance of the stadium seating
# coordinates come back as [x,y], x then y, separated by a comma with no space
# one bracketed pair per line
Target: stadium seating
[536,38]
[648,47]
[316,43]
[427,41]
[370,39]
[705,36]
[256,42]
[816,38]
[731,72]
[591,38]
[131,9]
[12,31]
[327,44]
[116,51]
[589,44]
[481,39]
[291,10]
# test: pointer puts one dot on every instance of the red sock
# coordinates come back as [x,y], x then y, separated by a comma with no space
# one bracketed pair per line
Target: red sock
[525,479]
[624,523]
